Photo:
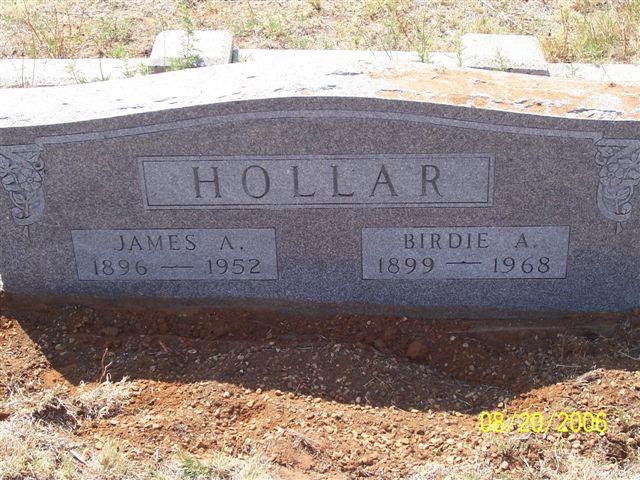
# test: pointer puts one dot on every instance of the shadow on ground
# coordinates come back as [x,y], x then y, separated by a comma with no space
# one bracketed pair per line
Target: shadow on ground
[409,363]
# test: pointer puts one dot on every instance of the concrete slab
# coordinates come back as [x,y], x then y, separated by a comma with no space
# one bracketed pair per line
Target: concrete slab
[445,59]
[201,48]
[612,72]
[271,55]
[23,72]
[510,53]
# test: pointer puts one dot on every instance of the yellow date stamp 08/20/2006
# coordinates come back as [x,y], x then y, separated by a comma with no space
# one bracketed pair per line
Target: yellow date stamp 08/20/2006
[543,422]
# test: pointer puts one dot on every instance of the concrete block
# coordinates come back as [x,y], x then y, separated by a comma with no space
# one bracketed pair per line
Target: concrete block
[201,48]
[511,53]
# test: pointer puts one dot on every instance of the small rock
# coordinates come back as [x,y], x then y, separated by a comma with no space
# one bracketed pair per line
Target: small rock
[417,350]
[368,459]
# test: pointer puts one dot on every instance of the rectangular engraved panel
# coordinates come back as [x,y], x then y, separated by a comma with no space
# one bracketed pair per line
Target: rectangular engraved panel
[317,181]
[424,253]
[176,254]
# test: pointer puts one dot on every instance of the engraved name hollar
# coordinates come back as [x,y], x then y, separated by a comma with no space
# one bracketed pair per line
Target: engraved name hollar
[256,182]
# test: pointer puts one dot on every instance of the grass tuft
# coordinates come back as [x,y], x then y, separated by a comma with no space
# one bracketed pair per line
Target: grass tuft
[103,400]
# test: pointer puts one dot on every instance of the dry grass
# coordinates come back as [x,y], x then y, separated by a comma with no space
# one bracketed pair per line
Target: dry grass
[33,449]
[221,467]
[594,30]
[571,30]
[37,442]
[103,400]
[563,465]
[560,465]
[59,406]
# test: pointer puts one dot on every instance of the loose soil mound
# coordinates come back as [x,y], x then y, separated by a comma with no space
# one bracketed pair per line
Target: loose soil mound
[333,397]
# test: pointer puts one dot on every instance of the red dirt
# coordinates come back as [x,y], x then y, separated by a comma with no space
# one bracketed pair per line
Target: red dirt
[336,397]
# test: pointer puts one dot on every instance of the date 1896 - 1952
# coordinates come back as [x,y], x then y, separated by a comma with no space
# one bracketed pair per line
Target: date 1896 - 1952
[218,266]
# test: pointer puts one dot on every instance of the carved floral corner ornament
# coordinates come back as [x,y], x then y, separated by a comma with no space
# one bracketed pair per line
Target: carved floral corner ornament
[619,162]
[22,176]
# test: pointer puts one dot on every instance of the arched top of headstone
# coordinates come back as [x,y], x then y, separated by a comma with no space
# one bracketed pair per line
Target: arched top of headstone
[414,82]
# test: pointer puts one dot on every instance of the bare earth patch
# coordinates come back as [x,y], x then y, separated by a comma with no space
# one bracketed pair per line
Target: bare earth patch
[343,397]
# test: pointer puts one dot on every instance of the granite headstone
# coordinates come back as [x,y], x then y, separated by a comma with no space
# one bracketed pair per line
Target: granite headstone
[321,189]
